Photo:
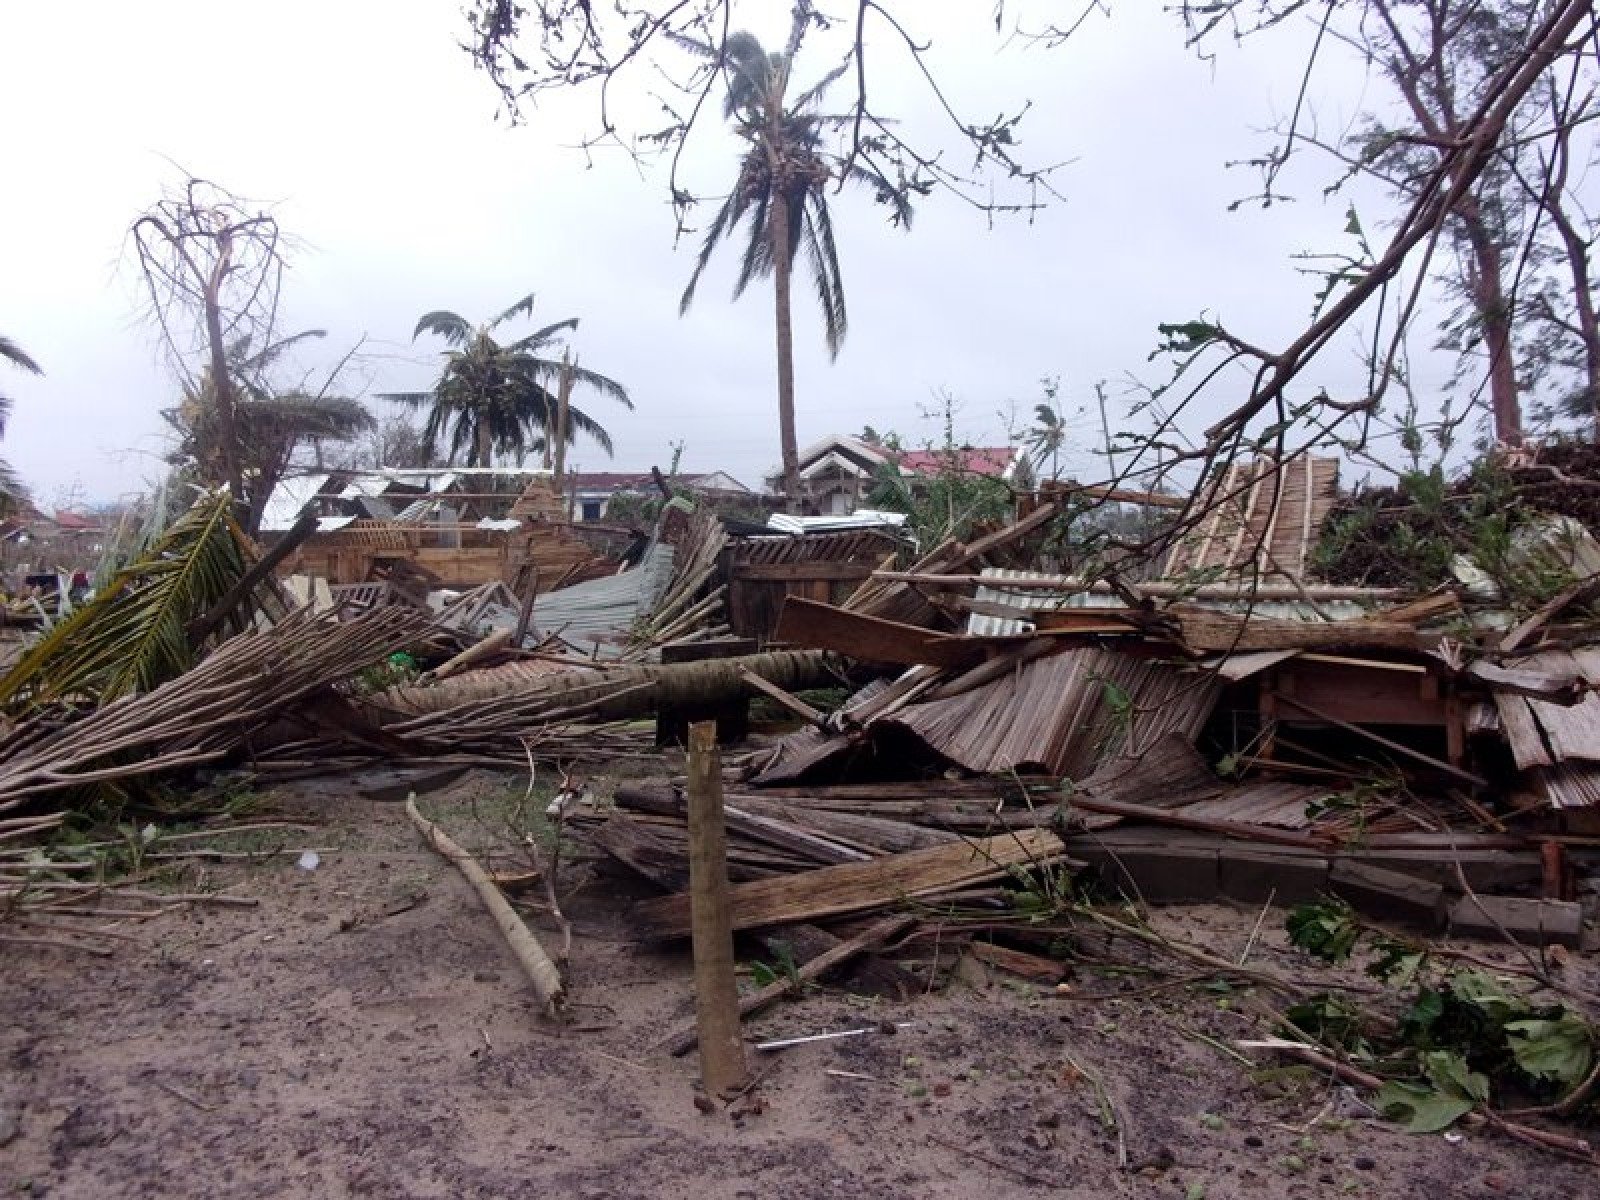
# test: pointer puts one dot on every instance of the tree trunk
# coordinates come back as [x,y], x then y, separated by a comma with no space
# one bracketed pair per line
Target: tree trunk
[563,415]
[221,375]
[615,690]
[1494,313]
[782,270]
[482,449]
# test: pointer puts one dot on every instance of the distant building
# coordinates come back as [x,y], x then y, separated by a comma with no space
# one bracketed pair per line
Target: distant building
[590,493]
[837,473]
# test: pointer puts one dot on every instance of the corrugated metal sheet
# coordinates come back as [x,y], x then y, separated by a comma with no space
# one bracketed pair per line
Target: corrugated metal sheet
[287,499]
[862,518]
[1569,785]
[1065,714]
[1032,599]
[593,615]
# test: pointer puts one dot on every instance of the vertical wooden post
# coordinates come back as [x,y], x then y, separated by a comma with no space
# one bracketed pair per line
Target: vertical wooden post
[716,995]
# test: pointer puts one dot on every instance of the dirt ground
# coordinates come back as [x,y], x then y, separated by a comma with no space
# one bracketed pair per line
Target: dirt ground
[363,1032]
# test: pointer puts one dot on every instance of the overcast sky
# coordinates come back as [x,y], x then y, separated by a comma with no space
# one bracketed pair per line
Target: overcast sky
[366,129]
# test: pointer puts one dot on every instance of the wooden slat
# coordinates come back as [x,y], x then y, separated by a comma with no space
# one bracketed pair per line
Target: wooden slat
[861,887]
[871,639]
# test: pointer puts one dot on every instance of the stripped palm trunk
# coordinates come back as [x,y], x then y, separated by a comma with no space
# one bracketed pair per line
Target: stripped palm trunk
[449,712]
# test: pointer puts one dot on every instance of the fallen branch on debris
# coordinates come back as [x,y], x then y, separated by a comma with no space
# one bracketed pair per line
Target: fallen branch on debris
[1578,1148]
[530,955]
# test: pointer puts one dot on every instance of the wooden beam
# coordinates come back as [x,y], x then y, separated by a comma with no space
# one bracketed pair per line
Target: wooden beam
[716,993]
[861,887]
[807,623]
[802,572]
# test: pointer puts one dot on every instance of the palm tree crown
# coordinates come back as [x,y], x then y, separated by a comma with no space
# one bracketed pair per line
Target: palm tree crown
[12,493]
[785,164]
[500,398]
[780,196]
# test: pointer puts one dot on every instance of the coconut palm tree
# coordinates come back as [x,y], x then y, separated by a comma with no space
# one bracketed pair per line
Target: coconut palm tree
[12,493]
[780,194]
[501,398]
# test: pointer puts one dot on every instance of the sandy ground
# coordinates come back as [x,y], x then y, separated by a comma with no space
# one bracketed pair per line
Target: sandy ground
[364,1033]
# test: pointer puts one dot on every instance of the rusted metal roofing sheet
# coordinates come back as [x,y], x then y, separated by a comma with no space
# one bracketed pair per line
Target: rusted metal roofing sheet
[1065,714]
[1260,516]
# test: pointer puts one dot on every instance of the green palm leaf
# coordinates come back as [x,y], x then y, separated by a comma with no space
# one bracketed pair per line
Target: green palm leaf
[132,635]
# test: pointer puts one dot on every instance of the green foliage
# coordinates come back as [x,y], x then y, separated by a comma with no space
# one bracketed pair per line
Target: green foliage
[1463,1037]
[1326,930]
[501,398]
[399,669]
[133,635]
[12,492]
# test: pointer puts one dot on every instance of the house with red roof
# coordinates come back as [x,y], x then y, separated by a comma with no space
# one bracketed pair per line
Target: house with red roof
[837,473]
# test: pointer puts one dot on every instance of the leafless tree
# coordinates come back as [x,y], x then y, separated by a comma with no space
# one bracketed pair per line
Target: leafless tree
[212,265]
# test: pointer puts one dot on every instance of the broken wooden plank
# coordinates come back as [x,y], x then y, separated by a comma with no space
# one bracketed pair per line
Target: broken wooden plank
[789,701]
[1207,631]
[1386,743]
[1017,962]
[862,887]
[820,626]
[875,935]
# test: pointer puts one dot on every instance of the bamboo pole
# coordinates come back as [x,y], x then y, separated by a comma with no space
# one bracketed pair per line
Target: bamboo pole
[716,996]
[530,955]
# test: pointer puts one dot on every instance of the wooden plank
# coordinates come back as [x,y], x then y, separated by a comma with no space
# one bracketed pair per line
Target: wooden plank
[716,993]
[861,887]
[871,639]
[1016,962]
[1356,693]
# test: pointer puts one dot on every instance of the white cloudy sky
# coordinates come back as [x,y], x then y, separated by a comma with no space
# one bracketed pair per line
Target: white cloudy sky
[365,127]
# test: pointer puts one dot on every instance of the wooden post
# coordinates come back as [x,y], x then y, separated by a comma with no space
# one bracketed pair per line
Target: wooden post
[716,996]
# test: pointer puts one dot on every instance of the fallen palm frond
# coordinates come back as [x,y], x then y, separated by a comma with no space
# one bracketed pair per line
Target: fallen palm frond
[204,714]
[133,636]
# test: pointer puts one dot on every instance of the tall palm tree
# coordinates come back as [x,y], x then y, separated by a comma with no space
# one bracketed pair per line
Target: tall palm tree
[12,493]
[500,398]
[781,195]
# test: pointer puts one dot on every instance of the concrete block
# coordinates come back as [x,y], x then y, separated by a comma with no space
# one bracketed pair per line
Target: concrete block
[1538,922]
[1157,874]
[1254,876]
[1389,895]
